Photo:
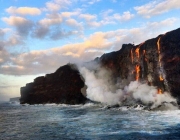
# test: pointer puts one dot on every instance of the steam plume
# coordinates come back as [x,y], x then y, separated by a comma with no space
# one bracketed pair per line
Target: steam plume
[101,88]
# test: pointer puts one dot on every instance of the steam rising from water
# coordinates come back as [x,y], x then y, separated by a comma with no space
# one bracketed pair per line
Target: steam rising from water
[101,88]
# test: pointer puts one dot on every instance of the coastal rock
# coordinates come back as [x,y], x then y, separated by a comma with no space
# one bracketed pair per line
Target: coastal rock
[63,86]
[155,61]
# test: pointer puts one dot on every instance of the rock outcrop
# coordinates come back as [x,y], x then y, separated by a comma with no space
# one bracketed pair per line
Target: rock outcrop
[63,86]
[155,61]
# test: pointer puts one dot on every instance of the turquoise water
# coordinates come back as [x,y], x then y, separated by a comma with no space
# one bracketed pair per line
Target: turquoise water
[86,122]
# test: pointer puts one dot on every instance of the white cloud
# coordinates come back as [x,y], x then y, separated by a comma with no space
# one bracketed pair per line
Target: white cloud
[15,20]
[93,1]
[45,61]
[22,25]
[88,17]
[124,17]
[156,8]
[73,23]
[24,10]
[50,21]
[56,5]
[51,6]
[68,14]
[52,27]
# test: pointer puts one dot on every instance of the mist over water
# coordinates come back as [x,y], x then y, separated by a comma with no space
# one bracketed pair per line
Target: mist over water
[102,88]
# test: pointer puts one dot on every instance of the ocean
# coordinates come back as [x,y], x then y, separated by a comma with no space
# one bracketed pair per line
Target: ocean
[86,122]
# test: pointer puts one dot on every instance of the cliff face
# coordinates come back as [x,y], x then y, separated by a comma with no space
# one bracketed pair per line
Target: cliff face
[63,86]
[155,61]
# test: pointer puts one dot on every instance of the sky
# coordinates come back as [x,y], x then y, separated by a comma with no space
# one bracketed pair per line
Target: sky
[39,36]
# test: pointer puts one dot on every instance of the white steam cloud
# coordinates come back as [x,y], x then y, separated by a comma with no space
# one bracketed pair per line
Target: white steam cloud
[101,88]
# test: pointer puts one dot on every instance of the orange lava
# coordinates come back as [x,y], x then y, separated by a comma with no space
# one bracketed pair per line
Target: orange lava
[137,69]
[158,45]
[137,49]
[159,91]
[161,78]
[137,52]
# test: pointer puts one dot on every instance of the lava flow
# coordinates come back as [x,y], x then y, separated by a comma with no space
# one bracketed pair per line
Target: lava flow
[137,50]
[159,91]
[161,78]
[137,69]
[159,59]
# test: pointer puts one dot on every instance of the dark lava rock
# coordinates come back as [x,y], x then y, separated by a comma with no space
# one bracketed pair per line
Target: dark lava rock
[63,86]
[155,61]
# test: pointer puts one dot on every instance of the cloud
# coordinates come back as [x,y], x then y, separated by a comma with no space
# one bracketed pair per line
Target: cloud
[49,27]
[51,6]
[88,17]
[73,23]
[69,14]
[44,28]
[52,19]
[109,16]
[2,33]
[93,1]
[22,25]
[24,10]
[45,61]
[4,55]
[61,33]
[155,8]
[56,5]
[124,17]
[40,32]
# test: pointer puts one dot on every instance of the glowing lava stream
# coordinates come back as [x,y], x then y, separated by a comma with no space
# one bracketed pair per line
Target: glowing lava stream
[159,59]
[159,91]
[137,50]
[137,68]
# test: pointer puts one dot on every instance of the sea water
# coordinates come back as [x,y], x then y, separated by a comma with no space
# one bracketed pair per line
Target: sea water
[86,122]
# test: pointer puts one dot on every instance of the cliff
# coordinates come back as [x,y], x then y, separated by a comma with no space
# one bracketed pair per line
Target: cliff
[62,86]
[155,61]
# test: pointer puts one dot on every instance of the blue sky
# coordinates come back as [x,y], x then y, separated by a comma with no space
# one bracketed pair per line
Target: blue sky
[37,37]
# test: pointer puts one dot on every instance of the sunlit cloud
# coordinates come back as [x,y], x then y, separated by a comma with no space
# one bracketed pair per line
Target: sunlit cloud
[36,62]
[155,7]
[88,17]
[56,5]
[24,10]
[22,25]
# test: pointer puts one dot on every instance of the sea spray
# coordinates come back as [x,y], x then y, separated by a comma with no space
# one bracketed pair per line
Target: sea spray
[102,88]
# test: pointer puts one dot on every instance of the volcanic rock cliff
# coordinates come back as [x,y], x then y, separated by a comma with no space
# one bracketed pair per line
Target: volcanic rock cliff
[155,61]
[62,86]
